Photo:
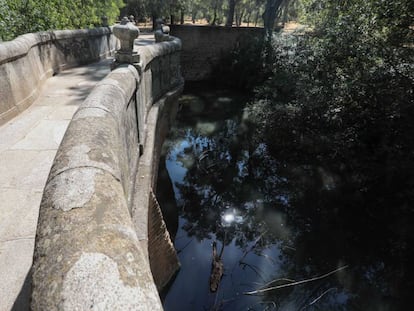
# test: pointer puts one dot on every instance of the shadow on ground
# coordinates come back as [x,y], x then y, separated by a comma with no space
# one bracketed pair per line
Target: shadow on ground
[22,302]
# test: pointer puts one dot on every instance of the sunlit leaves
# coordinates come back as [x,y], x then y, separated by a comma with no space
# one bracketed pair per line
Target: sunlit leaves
[24,16]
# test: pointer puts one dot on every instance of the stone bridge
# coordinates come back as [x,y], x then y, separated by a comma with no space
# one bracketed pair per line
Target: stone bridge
[101,242]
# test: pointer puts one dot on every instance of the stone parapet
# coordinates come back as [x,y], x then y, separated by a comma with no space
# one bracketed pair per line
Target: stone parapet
[93,235]
[205,46]
[27,61]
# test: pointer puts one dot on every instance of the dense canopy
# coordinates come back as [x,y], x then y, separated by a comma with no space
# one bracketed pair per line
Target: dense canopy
[24,16]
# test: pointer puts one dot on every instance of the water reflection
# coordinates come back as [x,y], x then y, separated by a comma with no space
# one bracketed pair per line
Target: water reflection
[230,217]
[279,221]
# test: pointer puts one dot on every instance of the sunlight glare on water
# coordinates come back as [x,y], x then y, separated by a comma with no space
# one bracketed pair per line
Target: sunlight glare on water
[274,221]
[231,217]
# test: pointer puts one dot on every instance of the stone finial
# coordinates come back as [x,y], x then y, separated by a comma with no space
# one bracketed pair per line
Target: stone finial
[158,23]
[131,19]
[104,20]
[126,32]
[165,29]
[162,31]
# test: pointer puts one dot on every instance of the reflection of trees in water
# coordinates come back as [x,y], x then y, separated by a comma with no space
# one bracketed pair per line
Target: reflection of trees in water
[318,214]
[225,178]
[362,217]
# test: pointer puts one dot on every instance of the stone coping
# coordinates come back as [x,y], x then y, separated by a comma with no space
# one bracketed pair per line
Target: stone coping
[92,240]
[19,47]
[27,61]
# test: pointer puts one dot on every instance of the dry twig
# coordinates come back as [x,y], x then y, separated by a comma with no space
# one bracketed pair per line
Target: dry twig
[318,298]
[260,291]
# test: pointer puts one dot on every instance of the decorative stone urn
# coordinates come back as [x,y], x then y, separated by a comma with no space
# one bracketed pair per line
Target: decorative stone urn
[104,20]
[162,32]
[126,32]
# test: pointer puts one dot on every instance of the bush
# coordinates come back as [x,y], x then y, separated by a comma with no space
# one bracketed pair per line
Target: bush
[346,91]
[24,16]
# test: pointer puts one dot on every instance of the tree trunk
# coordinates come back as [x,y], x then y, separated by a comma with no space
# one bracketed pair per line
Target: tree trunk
[213,23]
[230,14]
[217,268]
[237,18]
[154,21]
[182,17]
[241,18]
[269,15]
[285,12]
[256,19]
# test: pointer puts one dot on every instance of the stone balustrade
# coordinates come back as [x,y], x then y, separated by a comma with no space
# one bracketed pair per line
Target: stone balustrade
[204,47]
[27,61]
[162,31]
[100,230]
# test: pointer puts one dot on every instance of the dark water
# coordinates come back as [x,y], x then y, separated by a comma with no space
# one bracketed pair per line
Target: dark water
[276,222]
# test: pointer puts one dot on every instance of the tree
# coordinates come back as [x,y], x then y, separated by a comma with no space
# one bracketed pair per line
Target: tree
[315,214]
[8,19]
[137,8]
[341,97]
[217,8]
[243,7]
[22,16]
[352,68]
[270,14]
[230,12]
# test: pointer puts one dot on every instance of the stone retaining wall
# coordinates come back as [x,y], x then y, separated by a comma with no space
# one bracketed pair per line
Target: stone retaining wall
[205,46]
[92,239]
[27,61]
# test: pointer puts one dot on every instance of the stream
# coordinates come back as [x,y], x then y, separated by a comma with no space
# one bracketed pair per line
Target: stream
[300,229]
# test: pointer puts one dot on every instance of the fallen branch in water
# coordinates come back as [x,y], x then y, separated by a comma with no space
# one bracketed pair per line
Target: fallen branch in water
[318,298]
[185,246]
[216,268]
[260,291]
[253,246]
[277,280]
[254,268]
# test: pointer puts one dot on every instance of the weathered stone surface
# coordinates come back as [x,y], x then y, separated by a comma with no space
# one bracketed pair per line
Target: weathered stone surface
[158,122]
[89,242]
[11,283]
[162,32]
[47,134]
[21,173]
[89,143]
[126,32]
[92,238]
[27,61]
[204,46]
[24,172]
[161,252]
[80,288]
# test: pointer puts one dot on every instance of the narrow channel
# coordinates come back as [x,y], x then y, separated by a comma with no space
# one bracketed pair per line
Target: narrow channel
[275,222]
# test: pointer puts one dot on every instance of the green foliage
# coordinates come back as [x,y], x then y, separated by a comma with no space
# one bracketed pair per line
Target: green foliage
[24,16]
[213,11]
[345,90]
[8,16]
[243,67]
[342,98]
[340,102]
